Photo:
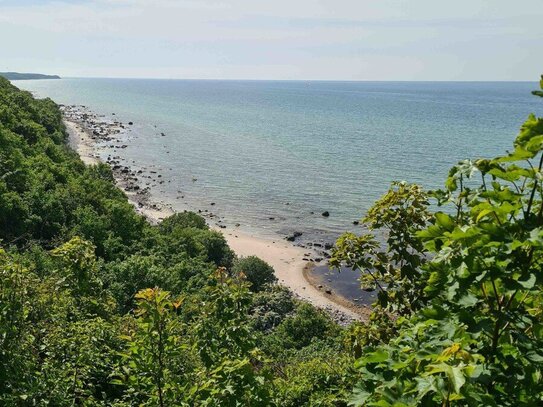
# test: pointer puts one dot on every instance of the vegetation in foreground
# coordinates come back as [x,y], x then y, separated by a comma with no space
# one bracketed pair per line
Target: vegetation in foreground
[460,322]
[98,307]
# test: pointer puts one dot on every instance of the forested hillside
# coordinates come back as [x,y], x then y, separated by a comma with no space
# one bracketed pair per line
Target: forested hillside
[98,307]
[24,76]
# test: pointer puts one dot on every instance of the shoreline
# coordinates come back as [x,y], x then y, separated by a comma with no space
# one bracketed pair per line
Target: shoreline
[287,260]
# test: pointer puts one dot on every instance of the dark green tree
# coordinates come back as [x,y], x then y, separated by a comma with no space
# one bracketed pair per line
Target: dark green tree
[257,272]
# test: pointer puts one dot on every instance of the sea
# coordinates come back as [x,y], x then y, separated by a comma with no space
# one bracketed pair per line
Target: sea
[272,156]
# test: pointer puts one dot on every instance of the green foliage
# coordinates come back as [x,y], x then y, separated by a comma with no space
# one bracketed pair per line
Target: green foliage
[182,220]
[15,339]
[221,327]
[303,327]
[176,243]
[318,375]
[439,371]
[137,272]
[46,193]
[379,329]
[395,269]
[179,259]
[152,367]
[160,367]
[78,264]
[257,272]
[232,373]
[270,307]
[55,346]
[79,360]
[476,339]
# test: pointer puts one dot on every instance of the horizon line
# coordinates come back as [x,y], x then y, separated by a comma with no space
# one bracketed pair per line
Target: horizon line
[297,80]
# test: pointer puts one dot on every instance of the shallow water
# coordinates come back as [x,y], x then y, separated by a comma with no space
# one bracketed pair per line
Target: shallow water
[343,282]
[291,150]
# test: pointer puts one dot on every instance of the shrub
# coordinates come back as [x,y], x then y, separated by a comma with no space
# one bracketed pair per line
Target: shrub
[257,272]
[307,324]
[182,220]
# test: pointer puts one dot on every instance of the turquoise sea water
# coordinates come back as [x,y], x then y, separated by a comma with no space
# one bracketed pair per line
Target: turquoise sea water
[262,149]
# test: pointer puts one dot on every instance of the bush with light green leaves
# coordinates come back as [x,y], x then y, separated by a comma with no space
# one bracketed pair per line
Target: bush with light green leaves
[477,337]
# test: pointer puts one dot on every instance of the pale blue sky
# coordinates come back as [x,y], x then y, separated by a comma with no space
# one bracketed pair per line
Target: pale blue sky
[275,39]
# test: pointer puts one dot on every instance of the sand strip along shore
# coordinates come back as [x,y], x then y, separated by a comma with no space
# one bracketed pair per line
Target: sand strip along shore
[285,258]
[81,142]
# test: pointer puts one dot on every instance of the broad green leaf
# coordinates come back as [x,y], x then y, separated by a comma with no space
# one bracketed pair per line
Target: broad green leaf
[464,233]
[454,374]
[520,154]
[538,331]
[468,300]
[529,283]
[445,221]
[483,213]
[376,357]
[534,356]
[535,144]
[531,128]
[359,396]
[425,385]
[508,174]
[462,271]
[430,232]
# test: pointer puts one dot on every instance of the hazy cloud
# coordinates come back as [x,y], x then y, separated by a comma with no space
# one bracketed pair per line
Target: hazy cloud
[280,39]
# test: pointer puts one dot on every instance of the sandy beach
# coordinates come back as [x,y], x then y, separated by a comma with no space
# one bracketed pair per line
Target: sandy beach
[287,260]
[81,142]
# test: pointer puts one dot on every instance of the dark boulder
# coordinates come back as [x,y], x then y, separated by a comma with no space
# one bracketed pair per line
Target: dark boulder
[292,238]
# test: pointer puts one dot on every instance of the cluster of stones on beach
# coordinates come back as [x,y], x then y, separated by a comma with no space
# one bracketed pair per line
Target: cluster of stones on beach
[318,251]
[112,135]
[109,134]
[97,125]
[341,317]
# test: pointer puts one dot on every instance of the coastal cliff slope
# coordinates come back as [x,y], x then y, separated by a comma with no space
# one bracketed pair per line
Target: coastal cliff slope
[16,76]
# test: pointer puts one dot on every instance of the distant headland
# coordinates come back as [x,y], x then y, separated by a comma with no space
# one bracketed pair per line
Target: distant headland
[14,76]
